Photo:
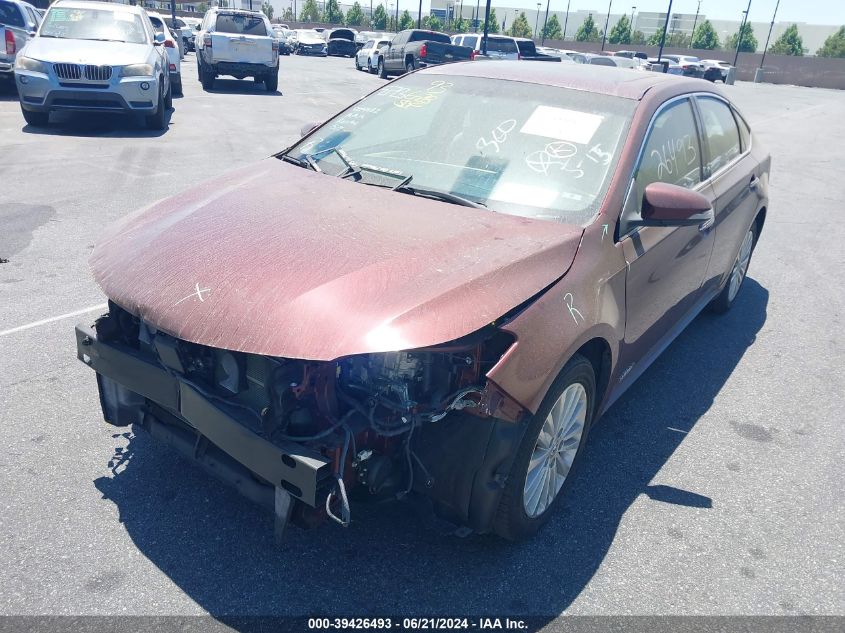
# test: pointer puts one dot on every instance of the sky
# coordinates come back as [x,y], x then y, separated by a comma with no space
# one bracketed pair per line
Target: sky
[809,11]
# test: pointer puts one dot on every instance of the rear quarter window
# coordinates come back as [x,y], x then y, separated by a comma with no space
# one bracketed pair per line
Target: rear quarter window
[501,45]
[10,16]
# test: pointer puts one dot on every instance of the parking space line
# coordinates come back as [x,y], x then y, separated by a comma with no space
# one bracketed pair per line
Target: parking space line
[67,315]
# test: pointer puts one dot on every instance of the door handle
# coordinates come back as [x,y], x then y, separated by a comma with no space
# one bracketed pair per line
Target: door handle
[754,183]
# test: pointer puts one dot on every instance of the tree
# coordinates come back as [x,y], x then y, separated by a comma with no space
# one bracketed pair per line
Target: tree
[654,38]
[747,42]
[355,15]
[621,31]
[406,21]
[834,46]
[380,18]
[433,23]
[310,12]
[789,43]
[287,15]
[520,27]
[705,36]
[202,7]
[494,22]
[587,32]
[552,29]
[638,37]
[267,9]
[391,23]
[332,14]
[461,24]
[679,40]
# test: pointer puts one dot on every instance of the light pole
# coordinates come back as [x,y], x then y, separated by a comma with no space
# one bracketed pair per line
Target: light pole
[771,26]
[477,2]
[632,20]
[606,22]
[537,21]
[741,34]
[419,14]
[545,22]
[695,21]
[663,37]
[566,19]
[486,27]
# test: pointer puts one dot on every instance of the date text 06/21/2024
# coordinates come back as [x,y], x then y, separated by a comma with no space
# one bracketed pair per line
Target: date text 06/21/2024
[416,623]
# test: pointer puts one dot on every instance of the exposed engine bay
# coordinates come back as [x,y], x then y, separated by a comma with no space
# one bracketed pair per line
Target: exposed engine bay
[381,420]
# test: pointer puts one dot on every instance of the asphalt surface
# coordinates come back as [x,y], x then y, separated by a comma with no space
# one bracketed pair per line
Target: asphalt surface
[715,486]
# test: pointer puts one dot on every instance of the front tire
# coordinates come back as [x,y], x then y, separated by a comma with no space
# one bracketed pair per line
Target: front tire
[549,452]
[357,65]
[382,72]
[207,79]
[725,300]
[158,121]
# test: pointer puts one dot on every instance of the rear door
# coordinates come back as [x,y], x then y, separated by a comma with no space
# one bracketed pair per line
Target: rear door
[666,265]
[395,54]
[241,38]
[734,175]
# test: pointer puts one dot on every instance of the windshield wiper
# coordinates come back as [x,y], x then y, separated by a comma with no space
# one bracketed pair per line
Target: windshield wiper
[307,164]
[437,194]
[351,168]
[101,39]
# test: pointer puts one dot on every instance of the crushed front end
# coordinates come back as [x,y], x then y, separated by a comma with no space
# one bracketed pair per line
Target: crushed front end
[318,433]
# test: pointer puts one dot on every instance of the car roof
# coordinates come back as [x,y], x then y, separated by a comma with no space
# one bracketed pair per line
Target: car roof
[87,4]
[619,82]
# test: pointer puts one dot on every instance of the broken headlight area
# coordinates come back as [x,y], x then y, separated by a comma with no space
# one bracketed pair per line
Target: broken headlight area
[377,425]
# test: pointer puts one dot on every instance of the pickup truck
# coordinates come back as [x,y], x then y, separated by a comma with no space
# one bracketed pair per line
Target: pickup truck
[237,43]
[528,51]
[416,48]
[18,23]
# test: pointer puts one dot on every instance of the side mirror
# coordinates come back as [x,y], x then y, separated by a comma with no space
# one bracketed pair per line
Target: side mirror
[197,27]
[159,38]
[306,129]
[673,205]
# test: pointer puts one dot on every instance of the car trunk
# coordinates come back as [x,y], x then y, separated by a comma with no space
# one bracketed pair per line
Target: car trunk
[439,53]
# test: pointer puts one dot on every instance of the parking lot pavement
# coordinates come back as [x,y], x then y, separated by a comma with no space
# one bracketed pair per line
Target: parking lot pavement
[715,486]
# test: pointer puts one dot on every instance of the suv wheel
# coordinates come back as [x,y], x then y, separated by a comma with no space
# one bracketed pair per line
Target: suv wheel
[207,78]
[381,70]
[158,121]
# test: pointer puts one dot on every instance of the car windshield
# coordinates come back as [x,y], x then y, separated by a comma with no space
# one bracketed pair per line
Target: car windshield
[240,24]
[539,151]
[94,24]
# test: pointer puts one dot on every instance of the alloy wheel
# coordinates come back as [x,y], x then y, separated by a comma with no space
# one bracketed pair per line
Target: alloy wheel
[555,450]
[741,265]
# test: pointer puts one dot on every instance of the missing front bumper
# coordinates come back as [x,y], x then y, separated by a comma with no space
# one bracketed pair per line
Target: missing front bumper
[131,385]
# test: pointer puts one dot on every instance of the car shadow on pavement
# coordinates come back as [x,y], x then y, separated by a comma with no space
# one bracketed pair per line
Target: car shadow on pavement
[241,87]
[8,91]
[97,124]
[218,548]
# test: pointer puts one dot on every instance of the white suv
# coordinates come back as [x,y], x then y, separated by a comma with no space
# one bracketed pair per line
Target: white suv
[237,43]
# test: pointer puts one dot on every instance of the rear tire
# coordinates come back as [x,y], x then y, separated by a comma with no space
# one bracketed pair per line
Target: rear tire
[550,450]
[409,66]
[207,79]
[357,65]
[271,81]
[736,276]
[36,119]
[176,86]
[168,98]
[382,72]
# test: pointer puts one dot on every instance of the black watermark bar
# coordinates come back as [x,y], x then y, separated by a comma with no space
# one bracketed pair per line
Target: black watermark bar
[561,624]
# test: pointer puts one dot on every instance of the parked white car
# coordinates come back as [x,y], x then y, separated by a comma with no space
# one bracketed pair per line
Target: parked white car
[171,47]
[237,43]
[367,56]
[498,46]
[310,42]
[722,66]
[94,57]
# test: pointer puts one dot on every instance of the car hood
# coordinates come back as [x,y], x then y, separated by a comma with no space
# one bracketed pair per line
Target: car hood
[87,52]
[278,260]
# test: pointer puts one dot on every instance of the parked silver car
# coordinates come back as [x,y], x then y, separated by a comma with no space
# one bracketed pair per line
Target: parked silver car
[94,56]
[18,23]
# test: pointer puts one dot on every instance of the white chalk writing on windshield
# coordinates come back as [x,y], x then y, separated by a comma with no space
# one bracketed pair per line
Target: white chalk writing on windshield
[555,154]
[499,135]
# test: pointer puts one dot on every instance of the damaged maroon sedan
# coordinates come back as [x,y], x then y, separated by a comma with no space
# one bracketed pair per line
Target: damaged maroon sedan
[436,292]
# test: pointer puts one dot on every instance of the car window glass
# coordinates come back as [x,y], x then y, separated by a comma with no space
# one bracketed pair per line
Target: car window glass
[721,132]
[744,131]
[369,44]
[241,24]
[9,15]
[602,61]
[501,45]
[472,41]
[671,153]
[33,16]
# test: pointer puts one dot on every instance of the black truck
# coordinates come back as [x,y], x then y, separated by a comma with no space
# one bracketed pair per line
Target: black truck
[528,51]
[417,48]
